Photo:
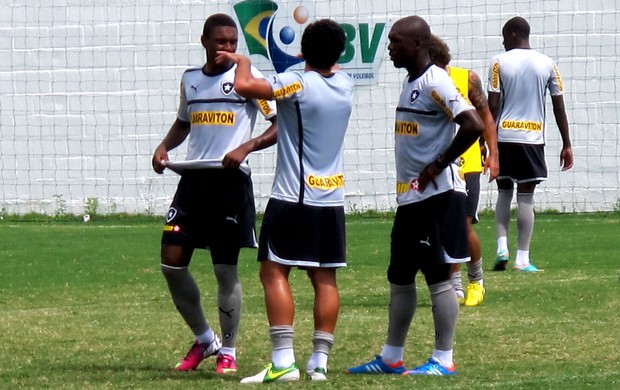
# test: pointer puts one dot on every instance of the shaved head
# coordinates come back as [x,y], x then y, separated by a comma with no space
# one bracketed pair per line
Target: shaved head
[415,27]
[410,39]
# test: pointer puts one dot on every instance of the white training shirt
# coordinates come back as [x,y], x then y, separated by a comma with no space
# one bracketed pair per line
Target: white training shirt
[221,120]
[523,76]
[313,116]
[424,129]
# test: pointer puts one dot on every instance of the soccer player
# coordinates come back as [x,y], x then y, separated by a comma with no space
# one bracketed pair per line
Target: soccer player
[469,84]
[518,82]
[430,228]
[304,219]
[213,207]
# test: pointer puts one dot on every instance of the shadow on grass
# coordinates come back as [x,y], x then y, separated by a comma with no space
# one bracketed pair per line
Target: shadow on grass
[94,371]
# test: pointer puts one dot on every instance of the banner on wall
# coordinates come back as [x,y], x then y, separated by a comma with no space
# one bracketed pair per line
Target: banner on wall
[272,34]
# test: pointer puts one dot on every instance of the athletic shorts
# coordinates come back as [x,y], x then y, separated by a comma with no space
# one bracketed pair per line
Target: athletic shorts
[429,236]
[212,207]
[522,163]
[299,235]
[472,183]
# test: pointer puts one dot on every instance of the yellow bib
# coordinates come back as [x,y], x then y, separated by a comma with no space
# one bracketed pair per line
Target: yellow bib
[471,160]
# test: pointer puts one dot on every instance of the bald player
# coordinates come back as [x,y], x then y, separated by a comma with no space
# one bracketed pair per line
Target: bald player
[430,228]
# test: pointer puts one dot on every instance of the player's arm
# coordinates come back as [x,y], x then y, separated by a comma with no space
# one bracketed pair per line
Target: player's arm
[494,88]
[471,128]
[236,156]
[477,98]
[246,84]
[175,137]
[559,111]
[494,104]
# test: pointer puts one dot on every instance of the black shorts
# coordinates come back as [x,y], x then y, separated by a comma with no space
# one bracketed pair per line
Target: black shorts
[212,208]
[472,183]
[299,235]
[429,236]
[522,163]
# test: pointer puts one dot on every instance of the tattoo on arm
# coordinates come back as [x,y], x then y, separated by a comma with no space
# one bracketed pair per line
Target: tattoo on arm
[476,94]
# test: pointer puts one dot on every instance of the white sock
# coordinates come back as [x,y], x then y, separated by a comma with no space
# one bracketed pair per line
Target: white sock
[229,351]
[522,259]
[444,357]
[391,354]
[502,243]
[207,337]
[317,359]
[283,358]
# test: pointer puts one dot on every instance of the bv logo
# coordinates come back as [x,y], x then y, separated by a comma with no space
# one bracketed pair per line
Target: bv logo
[275,33]
[257,20]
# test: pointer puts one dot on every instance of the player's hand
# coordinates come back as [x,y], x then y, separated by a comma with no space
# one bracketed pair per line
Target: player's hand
[491,166]
[224,57]
[428,175]
[483,152]
[566,158]
[235,157]
[160,159]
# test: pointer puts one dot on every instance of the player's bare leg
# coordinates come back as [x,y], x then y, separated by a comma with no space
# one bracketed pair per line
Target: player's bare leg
[326,308]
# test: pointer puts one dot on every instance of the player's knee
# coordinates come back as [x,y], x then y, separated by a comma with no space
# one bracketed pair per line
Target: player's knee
[227,277]
[400,276]
[171,272]
[438,274]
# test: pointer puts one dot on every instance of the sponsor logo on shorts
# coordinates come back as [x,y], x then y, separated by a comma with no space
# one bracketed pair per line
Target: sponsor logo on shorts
[172,212]
[522,125]
[407,128]
[326,182]
[213,118]
[413,185]
[287,90]
[172,228]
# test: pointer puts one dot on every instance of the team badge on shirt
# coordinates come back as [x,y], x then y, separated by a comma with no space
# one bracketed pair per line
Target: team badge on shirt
[414,95]
[227,87]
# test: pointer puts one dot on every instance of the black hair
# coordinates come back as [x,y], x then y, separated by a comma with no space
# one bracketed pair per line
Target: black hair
[217,20]
[518,26]
[322,43]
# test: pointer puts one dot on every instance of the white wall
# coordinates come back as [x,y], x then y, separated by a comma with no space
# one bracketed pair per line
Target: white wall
[88,89]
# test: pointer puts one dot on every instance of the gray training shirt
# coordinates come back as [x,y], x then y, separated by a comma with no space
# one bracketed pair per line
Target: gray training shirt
[313,116]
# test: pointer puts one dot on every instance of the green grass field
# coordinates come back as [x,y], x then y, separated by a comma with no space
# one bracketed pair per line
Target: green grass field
[84,306]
